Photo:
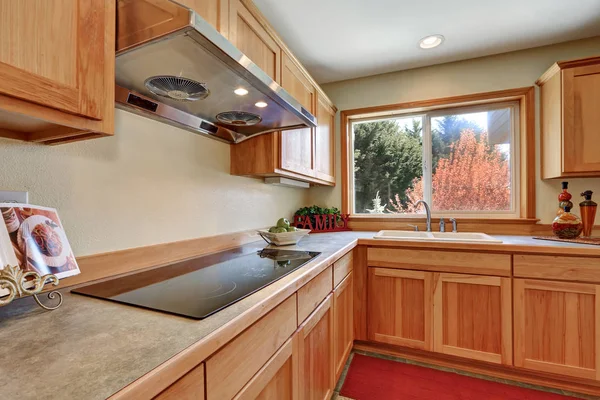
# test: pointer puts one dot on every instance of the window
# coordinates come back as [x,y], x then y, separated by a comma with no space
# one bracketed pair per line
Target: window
[461,160]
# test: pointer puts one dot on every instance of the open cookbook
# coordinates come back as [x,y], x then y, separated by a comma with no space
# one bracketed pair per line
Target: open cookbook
[33,238]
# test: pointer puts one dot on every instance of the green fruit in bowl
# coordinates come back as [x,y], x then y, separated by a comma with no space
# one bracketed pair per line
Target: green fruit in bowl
[283,223]
[292,229]
[277,229]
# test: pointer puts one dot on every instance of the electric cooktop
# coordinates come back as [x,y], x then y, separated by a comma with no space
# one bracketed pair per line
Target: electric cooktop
[202,286]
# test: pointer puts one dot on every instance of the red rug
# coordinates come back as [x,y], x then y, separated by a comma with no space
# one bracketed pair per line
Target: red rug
[374,378]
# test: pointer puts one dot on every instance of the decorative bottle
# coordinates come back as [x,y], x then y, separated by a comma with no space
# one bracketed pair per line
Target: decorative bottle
[588,213]
[567,225]
[564,199]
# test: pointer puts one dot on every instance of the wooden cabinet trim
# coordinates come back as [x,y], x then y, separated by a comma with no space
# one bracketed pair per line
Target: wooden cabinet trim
[191,386]
[270,369]
[440,261]
[228,370]
[311,294]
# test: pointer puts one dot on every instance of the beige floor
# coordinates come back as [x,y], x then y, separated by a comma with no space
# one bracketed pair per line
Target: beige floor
[338,388]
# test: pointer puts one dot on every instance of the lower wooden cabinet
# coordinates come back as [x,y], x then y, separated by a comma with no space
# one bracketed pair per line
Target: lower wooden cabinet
[400,307]
[557,327]
[472,317]
[343,327]
[278,379]
[188,387]
[315,353]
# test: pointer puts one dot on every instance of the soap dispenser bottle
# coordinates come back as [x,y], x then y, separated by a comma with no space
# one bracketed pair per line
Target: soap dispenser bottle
[588,213]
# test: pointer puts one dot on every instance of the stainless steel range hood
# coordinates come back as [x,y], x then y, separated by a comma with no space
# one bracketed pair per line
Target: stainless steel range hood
[173,66]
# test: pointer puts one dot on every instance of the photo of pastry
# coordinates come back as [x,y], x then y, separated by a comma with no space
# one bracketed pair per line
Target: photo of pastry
[38,239]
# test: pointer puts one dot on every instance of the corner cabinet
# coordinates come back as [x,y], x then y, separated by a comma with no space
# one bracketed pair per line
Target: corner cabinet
[570,99]
[57,80]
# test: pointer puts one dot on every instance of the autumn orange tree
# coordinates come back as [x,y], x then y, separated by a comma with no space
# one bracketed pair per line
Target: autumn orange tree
[474,176]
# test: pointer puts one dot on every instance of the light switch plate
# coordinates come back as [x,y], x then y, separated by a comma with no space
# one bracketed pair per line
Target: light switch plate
[12,196]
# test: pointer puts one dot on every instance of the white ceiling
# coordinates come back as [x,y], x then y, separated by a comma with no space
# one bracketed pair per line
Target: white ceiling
[344,39]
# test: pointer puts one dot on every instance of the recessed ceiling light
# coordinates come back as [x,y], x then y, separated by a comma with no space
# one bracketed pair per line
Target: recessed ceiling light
[261,104]
[429,42]
[240,91]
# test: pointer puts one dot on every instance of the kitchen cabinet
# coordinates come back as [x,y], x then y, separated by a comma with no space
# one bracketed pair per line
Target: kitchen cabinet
[556,327]
[324,153]
[57,76]
[472,317]
[302,154]
[278,379]
[570,99]
[315,353]
[215,12]
[297,144]
[343,327]
[311,294]
[188,387]
[400,307]
[232,367]
[252,39]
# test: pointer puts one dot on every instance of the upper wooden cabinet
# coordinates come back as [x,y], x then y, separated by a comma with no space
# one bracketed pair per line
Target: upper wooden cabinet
[324,154]
[302,154]
[556,327]
[215,12]
[297,145]
[252,39]
[570,100]
[57,69]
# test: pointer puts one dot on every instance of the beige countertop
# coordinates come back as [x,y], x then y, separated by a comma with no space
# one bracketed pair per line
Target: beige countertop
[90,348]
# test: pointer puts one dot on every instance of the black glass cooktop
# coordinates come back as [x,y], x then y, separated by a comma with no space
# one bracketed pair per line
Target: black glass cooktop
[202,286]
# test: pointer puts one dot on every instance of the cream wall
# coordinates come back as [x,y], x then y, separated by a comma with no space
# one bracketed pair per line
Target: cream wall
[504,71]
[150,183]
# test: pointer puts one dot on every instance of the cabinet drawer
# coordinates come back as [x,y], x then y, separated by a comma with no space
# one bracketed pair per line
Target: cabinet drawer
[440,261]
[188,387]
[311,294]
[236,363]
[341,268]
[557,267]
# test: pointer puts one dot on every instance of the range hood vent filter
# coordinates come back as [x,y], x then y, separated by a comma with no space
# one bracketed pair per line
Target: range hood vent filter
[238,118]
[177,88]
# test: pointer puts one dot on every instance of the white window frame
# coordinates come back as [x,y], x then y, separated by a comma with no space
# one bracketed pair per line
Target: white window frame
[427,115]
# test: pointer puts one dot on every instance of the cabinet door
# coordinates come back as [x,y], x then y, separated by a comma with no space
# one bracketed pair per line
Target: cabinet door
[297,144]
[343,328]
[249,36]
[581,102]
[188,387]
[324,142]
[557,327]
[52,53]
[278,379]
[315,352]
[472,317]
[212,11]
[400,307]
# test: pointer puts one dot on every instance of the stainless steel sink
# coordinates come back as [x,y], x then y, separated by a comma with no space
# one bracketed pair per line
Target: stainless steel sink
[455,237]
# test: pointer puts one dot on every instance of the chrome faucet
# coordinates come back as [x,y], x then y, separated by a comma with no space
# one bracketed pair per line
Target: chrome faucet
[427,211]
[454,225]
[442,225]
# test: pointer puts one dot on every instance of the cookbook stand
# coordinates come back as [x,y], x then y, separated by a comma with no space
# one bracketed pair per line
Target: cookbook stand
[22,284]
